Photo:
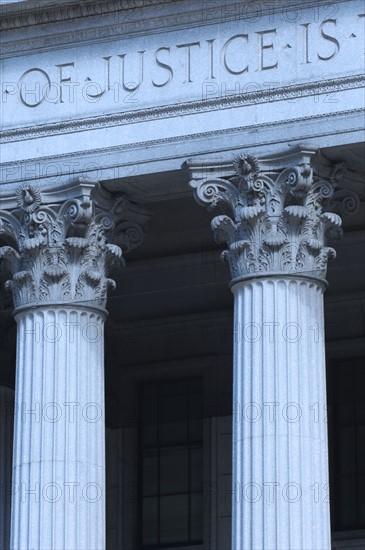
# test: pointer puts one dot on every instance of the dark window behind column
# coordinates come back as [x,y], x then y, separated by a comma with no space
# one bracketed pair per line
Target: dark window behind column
[346,399]
[171,464]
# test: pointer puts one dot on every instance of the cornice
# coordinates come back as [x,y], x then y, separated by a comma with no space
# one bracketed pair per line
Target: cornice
[71,11]
[183,109]
[189,13]
[207,150]
[95,34]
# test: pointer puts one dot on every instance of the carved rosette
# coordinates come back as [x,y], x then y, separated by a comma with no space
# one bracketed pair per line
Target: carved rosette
[278,219]
[61,253]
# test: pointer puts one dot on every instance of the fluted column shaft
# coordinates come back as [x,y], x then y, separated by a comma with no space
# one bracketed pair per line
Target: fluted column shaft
[278,215]
[59,460]
[280,454]
[6,452]
[58,254]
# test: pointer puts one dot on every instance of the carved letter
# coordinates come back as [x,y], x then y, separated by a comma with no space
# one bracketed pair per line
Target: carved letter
[330,39]
[38,92]
[133,85]
[188,59]
[164,66]
[224,54]
[264,47]
[211,58]
[63,78]
[306,43]
[107,81]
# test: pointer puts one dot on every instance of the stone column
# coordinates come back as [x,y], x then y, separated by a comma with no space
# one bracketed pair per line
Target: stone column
[59,256]
[6,452]
[275,231]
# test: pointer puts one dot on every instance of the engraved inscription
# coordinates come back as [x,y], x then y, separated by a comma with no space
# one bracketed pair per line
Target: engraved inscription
[181,66]
[131,71]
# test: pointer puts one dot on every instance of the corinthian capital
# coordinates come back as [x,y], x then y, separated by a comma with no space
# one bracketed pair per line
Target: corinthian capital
[60,245]
[277,213]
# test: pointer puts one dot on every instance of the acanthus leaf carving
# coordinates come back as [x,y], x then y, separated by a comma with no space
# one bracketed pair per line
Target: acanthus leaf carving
[278,218]
[62,252]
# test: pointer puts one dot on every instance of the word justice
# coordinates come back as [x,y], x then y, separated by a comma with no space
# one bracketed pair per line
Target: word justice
[184,63]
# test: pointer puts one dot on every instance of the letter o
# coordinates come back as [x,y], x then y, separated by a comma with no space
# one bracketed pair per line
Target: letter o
[52,171]
[252,406]
[291,419]
[53,486]
[92,419]
[22,82]
[57,334]
[251,87]
[85,492]
[250,497]
[92,338]
[56,417]
[249,337]
[287,337]
[286,495]
[292,16]
[255,14]
[95,94]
